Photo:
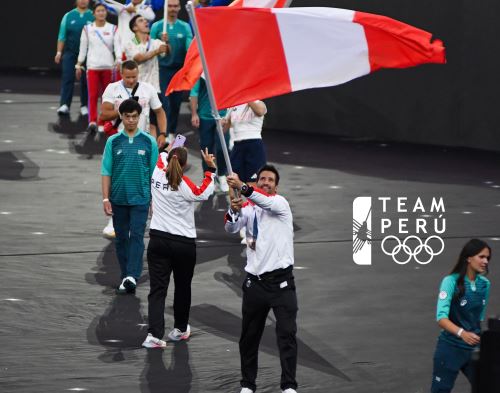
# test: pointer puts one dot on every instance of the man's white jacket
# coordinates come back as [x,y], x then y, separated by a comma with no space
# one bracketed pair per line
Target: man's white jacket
[274,243]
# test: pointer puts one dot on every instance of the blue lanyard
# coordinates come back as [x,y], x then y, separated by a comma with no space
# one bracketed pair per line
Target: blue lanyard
[102,39]
[255,227]
[129,95]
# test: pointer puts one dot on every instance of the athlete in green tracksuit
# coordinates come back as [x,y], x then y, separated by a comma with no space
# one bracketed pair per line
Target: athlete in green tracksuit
[461,306]
[68,46]
[128,163]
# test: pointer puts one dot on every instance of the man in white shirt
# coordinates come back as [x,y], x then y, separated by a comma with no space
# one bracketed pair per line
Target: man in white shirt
[144,51]
[147,97]
[127,12]
[269,283]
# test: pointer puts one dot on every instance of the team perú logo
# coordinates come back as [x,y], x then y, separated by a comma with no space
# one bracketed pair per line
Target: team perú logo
[409,229]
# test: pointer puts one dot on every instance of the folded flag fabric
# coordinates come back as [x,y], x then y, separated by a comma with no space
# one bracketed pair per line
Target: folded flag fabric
[192,69]
[269,52]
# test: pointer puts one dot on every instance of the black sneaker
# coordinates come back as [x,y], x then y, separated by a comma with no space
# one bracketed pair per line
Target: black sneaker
[129,285]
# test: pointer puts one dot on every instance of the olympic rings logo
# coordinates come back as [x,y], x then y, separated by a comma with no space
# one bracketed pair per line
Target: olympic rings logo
[421,248]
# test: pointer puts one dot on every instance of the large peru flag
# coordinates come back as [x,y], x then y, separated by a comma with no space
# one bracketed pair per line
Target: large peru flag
[289,49]
[192,69]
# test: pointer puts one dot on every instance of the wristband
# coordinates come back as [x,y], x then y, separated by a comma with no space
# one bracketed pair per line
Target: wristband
[460,331]
[58,52]
[246,190]
[162,133]
[105,200]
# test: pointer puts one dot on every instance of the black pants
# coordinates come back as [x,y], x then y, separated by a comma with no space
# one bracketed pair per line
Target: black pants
[167,254]
[259,296]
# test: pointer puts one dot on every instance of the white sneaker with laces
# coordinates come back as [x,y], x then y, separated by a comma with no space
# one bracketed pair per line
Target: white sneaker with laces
[289,390]
[153,342]
[63,110]
[246,390]
[109,231]
[177,335]
[84,111]
[224,187]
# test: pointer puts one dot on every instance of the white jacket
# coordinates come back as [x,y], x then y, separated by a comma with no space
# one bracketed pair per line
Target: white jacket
[173,211]
[100,46]
[274,244]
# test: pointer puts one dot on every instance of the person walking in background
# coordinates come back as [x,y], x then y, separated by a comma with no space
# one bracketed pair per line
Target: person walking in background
[203,119]
[127,166]
[172,246]
[461,306]
[179,37]
[99,45]
[68,46]
[145,95]
[125,12]
[248,154]
[145,51]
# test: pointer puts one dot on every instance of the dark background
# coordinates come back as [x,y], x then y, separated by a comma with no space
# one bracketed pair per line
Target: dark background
[452,104]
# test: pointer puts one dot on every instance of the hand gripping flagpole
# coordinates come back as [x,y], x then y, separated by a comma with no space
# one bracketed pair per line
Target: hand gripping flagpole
[213,104]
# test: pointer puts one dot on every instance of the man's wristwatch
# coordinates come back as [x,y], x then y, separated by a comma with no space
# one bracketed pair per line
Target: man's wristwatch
[244,188]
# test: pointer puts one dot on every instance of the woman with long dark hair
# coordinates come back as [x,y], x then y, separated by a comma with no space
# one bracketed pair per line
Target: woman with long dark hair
[461,306]
[172,247]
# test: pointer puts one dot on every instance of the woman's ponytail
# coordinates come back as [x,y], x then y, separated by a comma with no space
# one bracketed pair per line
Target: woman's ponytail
[177,159]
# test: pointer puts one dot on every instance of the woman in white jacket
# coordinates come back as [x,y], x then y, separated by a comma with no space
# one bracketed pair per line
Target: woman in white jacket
[99,45]
[172,246]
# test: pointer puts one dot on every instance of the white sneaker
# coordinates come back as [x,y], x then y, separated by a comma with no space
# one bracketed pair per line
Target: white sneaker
[224,187]
[84,111]
[177,335]
[153,342]
[63,110]
[109,231]
[289,390]
[246,390]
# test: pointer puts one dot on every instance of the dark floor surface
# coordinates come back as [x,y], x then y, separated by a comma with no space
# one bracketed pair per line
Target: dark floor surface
[362,329]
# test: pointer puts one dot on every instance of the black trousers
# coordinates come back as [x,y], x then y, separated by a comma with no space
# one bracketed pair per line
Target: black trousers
[260,296]
[167,254]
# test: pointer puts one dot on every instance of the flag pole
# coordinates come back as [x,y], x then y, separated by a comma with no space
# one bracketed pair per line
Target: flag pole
[165,15]
[211,97]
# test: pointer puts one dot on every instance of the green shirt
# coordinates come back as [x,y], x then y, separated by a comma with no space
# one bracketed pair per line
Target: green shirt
[466,312]
[71,27]
[204,109]
[130,162]
[179,36]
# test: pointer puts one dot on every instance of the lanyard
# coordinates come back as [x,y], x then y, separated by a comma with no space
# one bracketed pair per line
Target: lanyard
[129,95]
[102,39]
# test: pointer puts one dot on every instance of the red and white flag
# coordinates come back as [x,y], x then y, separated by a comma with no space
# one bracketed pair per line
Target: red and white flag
[192,69]
[255,53]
